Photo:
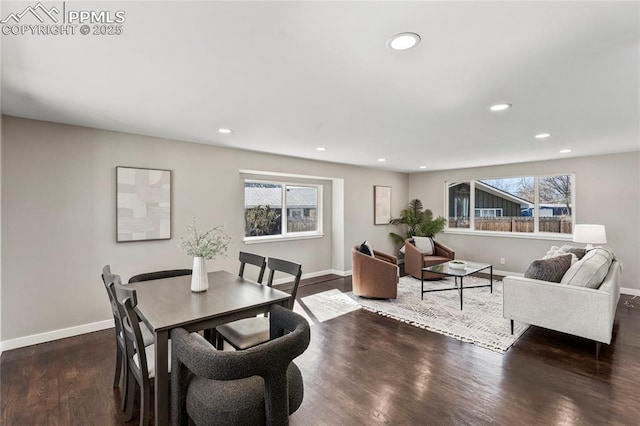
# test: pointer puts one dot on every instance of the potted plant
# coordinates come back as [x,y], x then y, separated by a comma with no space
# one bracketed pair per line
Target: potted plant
[416,222]
[203,246]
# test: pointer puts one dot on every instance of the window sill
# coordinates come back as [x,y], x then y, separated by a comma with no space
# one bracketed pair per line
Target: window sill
[550,237]
[276,238]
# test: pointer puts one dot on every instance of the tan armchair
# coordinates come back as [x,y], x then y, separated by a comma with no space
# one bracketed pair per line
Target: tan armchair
[375,277]
[415,260]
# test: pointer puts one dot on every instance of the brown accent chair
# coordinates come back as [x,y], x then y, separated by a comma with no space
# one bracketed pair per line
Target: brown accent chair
[415,260]
[375,277]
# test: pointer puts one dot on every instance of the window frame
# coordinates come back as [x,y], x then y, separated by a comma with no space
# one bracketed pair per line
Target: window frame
[284,235]
[536,234]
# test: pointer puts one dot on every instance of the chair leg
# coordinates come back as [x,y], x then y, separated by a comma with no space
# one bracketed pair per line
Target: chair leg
[145,396]
[598,347]
[125,385]
[219,341]
[118,372]
[511,326]
[131,393]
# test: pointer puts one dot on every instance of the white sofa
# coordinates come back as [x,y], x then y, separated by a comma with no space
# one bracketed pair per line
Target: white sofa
[572,309]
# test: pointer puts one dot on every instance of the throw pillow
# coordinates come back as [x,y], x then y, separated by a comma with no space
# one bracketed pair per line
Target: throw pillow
[366,248]
[552,269]
[555,251]
[424,244]
[591,270]
[579,252]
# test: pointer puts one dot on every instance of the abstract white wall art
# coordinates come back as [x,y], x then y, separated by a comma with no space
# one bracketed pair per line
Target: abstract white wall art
[143,204]
[381,205]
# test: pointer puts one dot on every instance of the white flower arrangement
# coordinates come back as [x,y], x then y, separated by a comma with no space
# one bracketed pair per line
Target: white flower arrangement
[208,244]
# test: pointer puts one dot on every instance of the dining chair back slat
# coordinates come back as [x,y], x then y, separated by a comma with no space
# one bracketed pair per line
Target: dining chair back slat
[158,275]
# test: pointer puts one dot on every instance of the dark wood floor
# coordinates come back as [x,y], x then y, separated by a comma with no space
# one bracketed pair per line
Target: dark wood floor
[364,369]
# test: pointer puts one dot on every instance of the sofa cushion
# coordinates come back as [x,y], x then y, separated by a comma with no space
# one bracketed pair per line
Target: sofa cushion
[552,269]
[591,270]
[366,248]
[424,244]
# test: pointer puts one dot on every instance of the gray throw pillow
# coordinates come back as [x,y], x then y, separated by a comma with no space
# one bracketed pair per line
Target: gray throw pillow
[579,252]
[591,270]
[552,269]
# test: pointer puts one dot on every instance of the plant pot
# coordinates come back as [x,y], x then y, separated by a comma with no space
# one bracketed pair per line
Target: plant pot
[199,279]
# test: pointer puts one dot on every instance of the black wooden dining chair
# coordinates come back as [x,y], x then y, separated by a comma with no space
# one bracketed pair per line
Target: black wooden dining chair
[252,259]
[244,258]
[122,364]
[157,275]
[249,332]
[141,358]
[118,315]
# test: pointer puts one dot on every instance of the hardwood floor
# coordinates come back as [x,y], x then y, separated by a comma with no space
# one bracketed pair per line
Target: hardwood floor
[364,369]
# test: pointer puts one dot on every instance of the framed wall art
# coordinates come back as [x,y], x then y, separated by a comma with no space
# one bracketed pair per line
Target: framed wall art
[143,204]
[381,205]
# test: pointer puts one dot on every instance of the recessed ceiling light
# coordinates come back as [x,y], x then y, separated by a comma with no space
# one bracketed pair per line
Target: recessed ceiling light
[403,41]
[382,160]
[321,148]
[423,167]
[542,135]
[500,107]
[565,151]
[225,131]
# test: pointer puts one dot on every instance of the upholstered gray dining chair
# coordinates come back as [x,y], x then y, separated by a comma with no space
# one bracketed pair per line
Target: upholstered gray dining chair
[257,386]
[248,332]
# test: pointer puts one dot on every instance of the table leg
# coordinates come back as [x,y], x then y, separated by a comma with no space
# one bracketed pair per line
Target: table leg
[461,286]
[491,277]
[161,392]
[422,286]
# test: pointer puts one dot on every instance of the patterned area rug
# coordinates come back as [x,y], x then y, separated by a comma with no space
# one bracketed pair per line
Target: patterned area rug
[327,305]
[480,322]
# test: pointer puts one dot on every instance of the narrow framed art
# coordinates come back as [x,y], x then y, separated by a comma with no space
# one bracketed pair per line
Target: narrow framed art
[381,205]
[143,204]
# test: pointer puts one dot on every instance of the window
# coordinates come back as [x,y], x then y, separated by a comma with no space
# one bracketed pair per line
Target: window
[279,210]
[488,212]
[524,205]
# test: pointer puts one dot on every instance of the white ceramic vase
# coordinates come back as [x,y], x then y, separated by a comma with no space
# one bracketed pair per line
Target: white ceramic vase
[199,280]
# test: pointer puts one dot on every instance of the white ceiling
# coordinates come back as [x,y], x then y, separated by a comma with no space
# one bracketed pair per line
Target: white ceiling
[288,77]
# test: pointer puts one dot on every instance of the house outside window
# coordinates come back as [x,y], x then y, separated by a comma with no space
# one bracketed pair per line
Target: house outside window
[275,210]
[526,205]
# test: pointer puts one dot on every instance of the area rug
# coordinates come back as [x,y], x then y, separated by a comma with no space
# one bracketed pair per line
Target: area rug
[479,322]
[328,305]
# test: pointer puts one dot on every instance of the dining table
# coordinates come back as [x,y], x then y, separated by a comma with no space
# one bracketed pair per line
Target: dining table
[168,303]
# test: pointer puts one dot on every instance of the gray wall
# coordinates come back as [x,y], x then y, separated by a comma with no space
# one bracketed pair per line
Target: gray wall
[58,216]
[607,192]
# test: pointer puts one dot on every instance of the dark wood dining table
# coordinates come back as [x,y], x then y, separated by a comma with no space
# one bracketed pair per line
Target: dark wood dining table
[169,303]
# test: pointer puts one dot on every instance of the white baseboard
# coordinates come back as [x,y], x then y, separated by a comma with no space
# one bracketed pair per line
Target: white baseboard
[49,336]
[630,291]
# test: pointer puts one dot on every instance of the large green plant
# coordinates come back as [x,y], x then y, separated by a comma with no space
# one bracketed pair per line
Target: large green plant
[416,222]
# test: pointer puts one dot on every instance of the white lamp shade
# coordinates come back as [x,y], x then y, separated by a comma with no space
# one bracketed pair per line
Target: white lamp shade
[591,234]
